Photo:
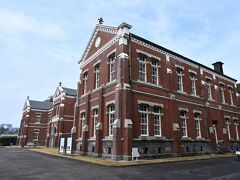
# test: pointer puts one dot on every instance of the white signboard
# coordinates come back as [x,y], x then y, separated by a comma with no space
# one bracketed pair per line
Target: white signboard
[237,152]
[61,149]
[135,153]
[69,146]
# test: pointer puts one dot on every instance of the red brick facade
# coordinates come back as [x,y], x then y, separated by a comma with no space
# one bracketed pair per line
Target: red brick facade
[134,93]
[34,123]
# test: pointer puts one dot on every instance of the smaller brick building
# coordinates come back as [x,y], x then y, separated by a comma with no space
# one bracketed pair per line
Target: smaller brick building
[34,122]
[61,116]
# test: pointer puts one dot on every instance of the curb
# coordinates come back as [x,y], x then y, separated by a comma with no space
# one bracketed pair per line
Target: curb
[111,163]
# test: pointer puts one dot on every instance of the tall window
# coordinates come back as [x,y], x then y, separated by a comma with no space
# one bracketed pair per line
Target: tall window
[231,95]
[95,121]
[180,79]
[154,72]
[97,76]
[183,118]
[227,121]
[197,124]
[35,134]
[38,117]
[209,89]
[236,128]
[222,93]
[193,83]
[143,119]
[157,121]
[112,68]
[111,118]
[142,68]
[85,77]
[83,120]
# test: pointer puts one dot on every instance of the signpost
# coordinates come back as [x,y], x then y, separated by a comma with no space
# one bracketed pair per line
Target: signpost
[238,154]
[61,149]
[135,153]
[69,146]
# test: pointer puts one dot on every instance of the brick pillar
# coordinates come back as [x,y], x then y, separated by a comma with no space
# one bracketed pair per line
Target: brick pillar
[85,130]
[74,128]
[99,135]
[127,136]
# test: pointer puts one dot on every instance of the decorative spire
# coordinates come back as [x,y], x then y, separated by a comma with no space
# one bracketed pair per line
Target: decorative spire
[60,83]
[28,97]
[100,20]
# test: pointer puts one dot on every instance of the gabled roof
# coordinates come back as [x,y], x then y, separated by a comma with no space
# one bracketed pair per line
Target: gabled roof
[70,92]
[40,105]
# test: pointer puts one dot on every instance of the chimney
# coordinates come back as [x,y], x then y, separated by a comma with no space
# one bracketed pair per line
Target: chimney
[218,67]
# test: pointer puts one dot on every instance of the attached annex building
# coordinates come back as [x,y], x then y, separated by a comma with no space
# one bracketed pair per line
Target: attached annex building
[134,93]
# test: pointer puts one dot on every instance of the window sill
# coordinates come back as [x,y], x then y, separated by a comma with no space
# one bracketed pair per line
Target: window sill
[111,83]
[182,92]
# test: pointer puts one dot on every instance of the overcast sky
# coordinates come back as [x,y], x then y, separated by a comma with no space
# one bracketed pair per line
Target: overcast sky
[41,41]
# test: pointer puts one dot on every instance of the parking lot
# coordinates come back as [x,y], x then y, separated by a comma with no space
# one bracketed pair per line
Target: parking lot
[21,164]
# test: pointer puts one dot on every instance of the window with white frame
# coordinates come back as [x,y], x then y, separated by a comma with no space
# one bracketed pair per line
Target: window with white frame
[193,83]
[83,120]
[183,119]
[221,87]
[227,121]
[157,120]
[38,116]
[143,110]
[209,89]
[97,76]
[142,68]
[236,128]
[95,121]
[197,118]
[111,118]
[36,134]
[180,79]
[231,95]
[154,72]
[112,68]
[85,78]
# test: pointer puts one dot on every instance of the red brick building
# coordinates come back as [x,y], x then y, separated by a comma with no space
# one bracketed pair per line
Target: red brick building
[61,116]
[134,93]
[34,122]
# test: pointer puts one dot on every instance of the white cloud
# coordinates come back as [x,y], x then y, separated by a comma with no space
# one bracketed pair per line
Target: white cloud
[19,23]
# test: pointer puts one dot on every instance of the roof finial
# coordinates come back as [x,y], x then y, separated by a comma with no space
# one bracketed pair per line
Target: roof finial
[28,97]
[60,83]
[100,20]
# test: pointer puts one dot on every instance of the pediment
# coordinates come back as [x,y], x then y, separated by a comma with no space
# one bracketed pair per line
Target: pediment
[101,35]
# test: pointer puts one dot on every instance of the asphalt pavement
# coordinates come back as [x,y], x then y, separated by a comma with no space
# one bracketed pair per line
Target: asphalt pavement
[21,164]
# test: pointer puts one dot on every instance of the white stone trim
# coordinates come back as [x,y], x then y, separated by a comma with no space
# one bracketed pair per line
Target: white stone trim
[197,111]
[83,111]
[148,54]
[178,66]
[191,71]
[95,107]
[96,63]
[183,109]
[150,103]
[110,102]
[111,52]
